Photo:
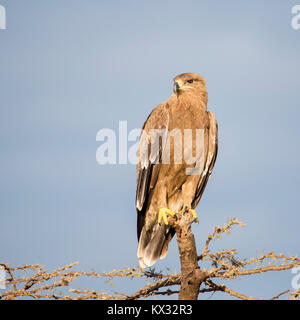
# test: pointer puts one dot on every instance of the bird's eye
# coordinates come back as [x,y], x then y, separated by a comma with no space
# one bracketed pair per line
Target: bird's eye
[190,81]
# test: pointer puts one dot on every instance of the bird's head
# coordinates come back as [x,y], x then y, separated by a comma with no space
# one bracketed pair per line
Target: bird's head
[189,83]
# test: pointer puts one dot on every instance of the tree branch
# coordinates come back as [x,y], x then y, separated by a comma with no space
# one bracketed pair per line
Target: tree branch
[191,274]
[36,282]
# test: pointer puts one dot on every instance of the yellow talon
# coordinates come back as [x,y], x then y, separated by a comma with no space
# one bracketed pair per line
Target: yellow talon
[163,215]
[195,215]
[192,211]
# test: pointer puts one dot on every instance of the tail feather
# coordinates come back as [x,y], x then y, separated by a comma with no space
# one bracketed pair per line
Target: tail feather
[153,244]
[165,247]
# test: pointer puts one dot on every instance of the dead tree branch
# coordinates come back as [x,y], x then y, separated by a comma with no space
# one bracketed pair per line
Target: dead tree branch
[34,281]
[191,274]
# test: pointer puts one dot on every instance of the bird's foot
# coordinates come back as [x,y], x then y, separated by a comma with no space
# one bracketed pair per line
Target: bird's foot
[192,211]
[163,215]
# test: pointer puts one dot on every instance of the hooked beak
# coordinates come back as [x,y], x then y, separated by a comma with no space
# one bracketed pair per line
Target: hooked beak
[176,87]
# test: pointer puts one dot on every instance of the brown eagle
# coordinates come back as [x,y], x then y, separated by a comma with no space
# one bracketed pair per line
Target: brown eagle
[165,186]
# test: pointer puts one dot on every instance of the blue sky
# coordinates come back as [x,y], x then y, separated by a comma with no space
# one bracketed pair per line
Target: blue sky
[71,68]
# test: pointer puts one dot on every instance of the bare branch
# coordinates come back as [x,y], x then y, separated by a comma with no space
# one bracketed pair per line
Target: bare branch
[34,281]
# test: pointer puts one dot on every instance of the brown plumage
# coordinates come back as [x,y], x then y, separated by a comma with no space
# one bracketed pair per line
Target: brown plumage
[166,184]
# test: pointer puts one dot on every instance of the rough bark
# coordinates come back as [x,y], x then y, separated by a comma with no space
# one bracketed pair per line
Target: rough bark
[191,274]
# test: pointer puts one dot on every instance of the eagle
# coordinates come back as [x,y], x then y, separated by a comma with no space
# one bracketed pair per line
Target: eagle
[165,185]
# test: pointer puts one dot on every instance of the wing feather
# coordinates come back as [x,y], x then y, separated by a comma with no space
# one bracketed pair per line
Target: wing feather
[152,143]
[210,159]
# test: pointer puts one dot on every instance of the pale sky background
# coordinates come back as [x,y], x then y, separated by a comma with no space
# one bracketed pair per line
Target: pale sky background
[69,68]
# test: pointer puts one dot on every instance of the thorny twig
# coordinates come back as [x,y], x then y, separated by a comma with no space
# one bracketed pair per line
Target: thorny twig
[36,282]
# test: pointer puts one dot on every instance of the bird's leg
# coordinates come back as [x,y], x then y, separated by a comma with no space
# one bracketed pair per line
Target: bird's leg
[162,215]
